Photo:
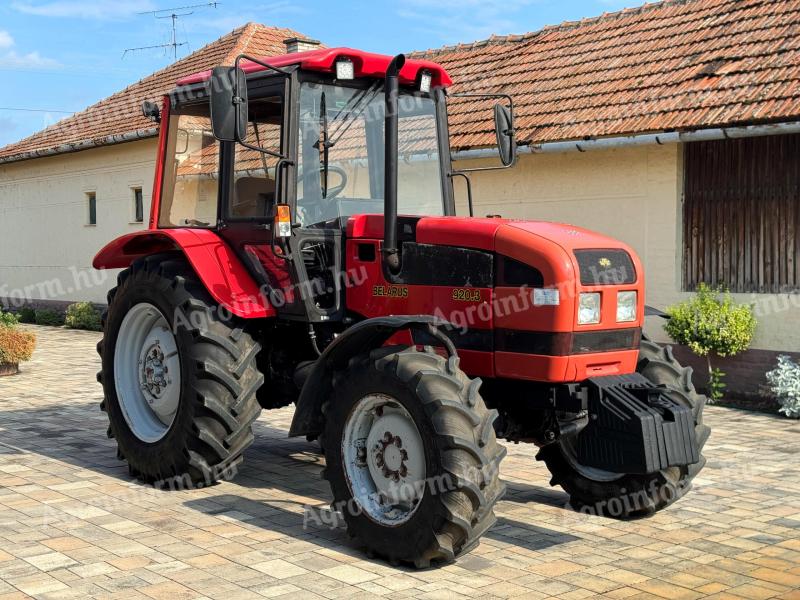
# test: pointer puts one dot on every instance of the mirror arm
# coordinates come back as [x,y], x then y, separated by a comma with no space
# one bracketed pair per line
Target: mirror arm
[261,63]
[237,99]
[469,188]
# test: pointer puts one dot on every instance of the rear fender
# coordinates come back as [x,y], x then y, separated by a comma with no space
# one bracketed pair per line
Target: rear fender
[362,337]
[217,266]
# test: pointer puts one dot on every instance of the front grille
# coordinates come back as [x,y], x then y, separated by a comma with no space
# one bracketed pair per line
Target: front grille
[566,343]
[605,267]
[587,342]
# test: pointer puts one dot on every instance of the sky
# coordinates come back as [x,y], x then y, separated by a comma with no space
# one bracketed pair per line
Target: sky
[60,56]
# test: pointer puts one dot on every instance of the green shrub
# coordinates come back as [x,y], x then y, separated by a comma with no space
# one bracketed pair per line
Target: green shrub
[784,382]
[16,346]
[46,316]
[8,319]
[27,315]
[711,324]
[83,315]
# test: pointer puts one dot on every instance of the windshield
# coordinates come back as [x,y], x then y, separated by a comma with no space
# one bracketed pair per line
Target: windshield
[341,157]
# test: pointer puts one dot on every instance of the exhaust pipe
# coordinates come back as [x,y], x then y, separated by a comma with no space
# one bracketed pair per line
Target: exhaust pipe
[391,252]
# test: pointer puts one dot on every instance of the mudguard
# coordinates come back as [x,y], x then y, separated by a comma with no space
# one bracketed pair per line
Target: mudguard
[217,266]
[362,337]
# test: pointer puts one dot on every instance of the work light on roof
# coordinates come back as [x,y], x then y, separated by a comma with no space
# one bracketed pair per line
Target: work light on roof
[425,82]
[344,68]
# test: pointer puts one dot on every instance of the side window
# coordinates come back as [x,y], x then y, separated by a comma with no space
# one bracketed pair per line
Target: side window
[91,208]
[254,172]
[138,205]
[191,172]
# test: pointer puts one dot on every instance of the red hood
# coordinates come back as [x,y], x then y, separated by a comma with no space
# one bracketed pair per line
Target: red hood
[481,233]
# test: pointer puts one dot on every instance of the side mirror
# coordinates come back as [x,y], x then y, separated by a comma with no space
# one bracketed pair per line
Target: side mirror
[152,111]
[228,104]
[504,129]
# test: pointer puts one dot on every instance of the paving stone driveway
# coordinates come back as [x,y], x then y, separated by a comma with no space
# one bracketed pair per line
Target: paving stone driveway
[73,524]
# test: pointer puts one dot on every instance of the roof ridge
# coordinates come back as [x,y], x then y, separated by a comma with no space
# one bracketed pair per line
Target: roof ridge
[495,39]
[248,31]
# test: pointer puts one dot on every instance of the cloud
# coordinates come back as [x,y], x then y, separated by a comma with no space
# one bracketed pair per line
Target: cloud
[103,10]
[223,21]
[464,20]
[11,59]
[31,60]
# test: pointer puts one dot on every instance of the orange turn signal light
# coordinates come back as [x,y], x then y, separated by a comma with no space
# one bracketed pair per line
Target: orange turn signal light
[283,220]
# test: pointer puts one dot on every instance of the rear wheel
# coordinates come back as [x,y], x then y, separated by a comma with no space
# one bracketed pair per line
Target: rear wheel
[599,492]
[179,377]
[411,456]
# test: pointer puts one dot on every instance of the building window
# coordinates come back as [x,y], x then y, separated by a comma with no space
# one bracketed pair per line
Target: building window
[741,214]
[91,202]
[138,206]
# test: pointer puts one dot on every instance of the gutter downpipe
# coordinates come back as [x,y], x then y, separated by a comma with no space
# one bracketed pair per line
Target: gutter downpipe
[640,140]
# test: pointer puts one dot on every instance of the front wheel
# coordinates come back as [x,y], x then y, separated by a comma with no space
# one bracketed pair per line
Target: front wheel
[180,379]
[598,492]
[411,456]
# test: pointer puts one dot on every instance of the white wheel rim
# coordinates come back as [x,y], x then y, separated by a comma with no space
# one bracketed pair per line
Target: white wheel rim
[384,459]
[147,372]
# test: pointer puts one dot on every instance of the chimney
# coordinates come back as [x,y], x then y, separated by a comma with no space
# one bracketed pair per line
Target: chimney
[300,45]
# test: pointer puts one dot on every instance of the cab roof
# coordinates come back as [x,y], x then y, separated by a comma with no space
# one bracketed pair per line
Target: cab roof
[366,64]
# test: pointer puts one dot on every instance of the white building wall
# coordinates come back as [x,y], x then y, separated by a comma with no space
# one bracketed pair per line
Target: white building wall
[46,245]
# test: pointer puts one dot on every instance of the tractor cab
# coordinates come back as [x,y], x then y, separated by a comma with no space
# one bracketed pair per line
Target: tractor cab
[277,156]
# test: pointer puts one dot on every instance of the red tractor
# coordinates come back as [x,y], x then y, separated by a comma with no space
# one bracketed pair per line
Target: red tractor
[304,249]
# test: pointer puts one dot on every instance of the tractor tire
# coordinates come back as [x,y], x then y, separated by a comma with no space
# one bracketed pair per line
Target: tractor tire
[435,441]
[633,496]
[196,374]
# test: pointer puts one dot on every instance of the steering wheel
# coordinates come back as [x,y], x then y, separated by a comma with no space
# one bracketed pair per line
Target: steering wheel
[335,190]
[338,189]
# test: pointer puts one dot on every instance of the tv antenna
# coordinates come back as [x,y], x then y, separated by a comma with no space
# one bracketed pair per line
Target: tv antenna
[173,14]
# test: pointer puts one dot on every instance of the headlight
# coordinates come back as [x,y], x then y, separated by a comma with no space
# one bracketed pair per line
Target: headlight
[589,309]
[425,82]
[626,306]
[344,68]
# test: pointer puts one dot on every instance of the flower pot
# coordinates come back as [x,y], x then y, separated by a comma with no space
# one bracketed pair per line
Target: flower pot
[8,369]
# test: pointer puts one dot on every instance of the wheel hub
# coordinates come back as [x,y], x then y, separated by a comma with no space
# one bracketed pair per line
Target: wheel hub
[154,371]
[391,457]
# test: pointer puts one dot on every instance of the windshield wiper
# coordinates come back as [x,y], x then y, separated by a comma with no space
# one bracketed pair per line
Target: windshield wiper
[324,144]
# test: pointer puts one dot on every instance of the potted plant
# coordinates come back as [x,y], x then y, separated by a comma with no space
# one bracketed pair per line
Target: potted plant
[16,346]
[711,324]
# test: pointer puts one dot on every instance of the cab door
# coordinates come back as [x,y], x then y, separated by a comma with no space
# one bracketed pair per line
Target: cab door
[298,274]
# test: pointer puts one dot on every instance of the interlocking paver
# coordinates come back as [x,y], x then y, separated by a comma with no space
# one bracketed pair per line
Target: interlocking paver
[74,525]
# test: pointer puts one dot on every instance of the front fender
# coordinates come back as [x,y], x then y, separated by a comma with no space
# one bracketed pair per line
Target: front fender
[217,266]
[362,337]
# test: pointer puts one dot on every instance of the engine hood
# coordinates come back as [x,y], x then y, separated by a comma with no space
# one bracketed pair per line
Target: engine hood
[481,233]
[549,247]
